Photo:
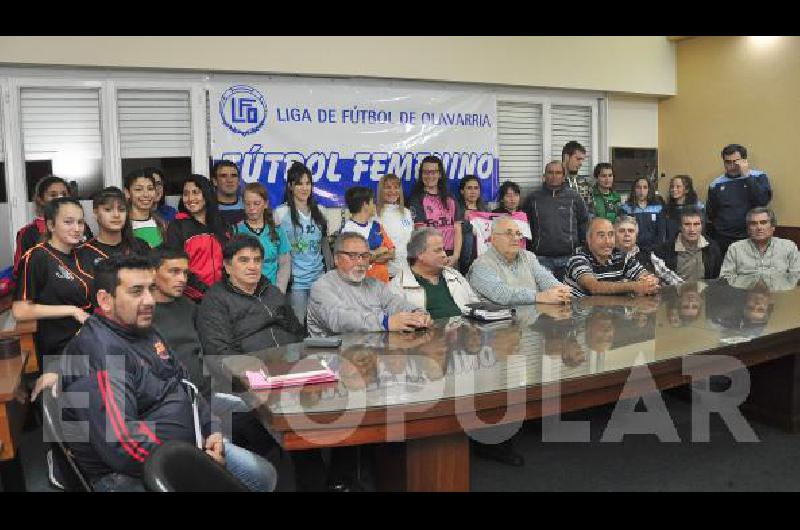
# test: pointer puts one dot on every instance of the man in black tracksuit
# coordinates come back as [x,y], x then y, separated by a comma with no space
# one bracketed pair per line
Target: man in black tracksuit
[137,399]
[733,194]
[558,218]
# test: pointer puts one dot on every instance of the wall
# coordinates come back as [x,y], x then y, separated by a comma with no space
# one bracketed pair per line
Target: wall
[639,65]
[735,90]
[632,121]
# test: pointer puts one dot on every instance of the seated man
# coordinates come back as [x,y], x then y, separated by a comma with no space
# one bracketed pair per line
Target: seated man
[429,283]
[244,313]
[690,254]
[508,275]
[761,252]
[344,300]
[598,268]
[137,398]
[174,314]
[627,230]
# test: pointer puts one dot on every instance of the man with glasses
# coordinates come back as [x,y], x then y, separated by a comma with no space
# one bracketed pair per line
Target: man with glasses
[506,274]
[733,194]
[344,300]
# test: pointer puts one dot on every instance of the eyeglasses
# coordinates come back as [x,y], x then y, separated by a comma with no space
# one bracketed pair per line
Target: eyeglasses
[510,233]
[356,255]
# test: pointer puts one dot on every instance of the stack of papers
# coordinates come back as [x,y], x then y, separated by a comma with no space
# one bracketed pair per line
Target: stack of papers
[305,372]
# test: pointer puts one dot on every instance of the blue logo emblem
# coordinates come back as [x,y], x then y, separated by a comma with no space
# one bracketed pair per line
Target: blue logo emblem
[243,109]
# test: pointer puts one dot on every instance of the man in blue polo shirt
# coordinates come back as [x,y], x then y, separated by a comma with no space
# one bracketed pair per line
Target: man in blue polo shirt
[733,194]
[598,268]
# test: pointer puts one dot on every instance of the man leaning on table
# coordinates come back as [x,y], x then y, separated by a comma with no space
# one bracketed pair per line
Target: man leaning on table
[600,269]
[508,275]
[344,300]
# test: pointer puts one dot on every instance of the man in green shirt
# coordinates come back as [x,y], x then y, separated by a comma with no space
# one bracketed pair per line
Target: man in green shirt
[429,283]
[605,201]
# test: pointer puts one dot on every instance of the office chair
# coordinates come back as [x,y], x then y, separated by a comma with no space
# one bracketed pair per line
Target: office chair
[181,467]
[73,479]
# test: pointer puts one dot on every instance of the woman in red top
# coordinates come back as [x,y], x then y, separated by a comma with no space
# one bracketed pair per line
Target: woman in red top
[199,230]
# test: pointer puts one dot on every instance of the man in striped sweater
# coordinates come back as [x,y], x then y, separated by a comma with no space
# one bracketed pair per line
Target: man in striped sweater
[599,269]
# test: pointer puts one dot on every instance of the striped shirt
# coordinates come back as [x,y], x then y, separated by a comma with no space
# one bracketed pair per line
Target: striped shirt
[618,269]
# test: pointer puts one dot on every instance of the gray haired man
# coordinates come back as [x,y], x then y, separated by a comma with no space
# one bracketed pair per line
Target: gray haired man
[761,252]
[344,300]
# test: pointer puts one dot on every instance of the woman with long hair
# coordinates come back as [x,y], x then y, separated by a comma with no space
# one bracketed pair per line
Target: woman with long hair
[160,206]
[305,225]
[46,189]
[471,203]
[509,197]
[395,219]
[140,190]
[259,223]
[681,197]
[52,287]
[115,234]
[648,210]
[431,205]
[199,230]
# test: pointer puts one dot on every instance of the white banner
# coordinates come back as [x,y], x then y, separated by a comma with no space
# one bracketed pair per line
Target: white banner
[350,134]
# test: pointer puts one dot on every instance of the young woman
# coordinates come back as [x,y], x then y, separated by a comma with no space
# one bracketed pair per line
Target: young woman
[395,218]
[47,189]
[643,204]
[115,235]
[681,196]
[52,287]
[471,203]
[259,222]
[307,229]
[604,200]
[140,189]
[508,198]
[164,210]
[431,205]
[198,230]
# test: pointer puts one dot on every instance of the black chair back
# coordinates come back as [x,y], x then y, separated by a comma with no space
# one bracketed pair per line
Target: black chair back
[182,467]
[72,477]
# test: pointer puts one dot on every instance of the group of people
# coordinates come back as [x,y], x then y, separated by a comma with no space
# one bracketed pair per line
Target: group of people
[173,293]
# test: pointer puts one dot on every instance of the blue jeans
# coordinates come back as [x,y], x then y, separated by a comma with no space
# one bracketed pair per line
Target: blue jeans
[256,473]
[299,300]
[555,264]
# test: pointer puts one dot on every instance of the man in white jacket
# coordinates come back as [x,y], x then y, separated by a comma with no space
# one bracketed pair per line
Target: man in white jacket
[428,282]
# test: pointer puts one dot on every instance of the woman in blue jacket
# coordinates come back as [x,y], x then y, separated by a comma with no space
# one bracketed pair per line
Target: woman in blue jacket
[648,210]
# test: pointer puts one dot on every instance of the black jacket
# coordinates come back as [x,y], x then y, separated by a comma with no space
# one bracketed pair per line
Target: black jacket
[712,257]
[232,322]
[136,399]
[558,220]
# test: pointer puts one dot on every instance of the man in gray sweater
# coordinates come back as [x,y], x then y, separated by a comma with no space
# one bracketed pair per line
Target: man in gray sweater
[344,300]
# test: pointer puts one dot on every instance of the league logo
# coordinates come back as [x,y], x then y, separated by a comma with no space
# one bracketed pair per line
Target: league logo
[243,109]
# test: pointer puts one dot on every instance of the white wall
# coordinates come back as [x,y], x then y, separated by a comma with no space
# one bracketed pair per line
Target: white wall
[632,121]
[632,64]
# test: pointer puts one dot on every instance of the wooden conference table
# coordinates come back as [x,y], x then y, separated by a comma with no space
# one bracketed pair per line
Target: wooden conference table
[417,395]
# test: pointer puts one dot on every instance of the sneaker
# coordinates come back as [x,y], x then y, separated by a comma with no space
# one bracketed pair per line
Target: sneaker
[51,474]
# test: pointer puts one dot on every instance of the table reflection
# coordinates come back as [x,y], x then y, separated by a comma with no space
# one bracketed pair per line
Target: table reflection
[543,344]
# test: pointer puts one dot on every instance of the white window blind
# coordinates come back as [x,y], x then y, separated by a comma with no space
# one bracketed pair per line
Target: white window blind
[61,124]
[519,138]
[572,122]
[154,123]
[2,143]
